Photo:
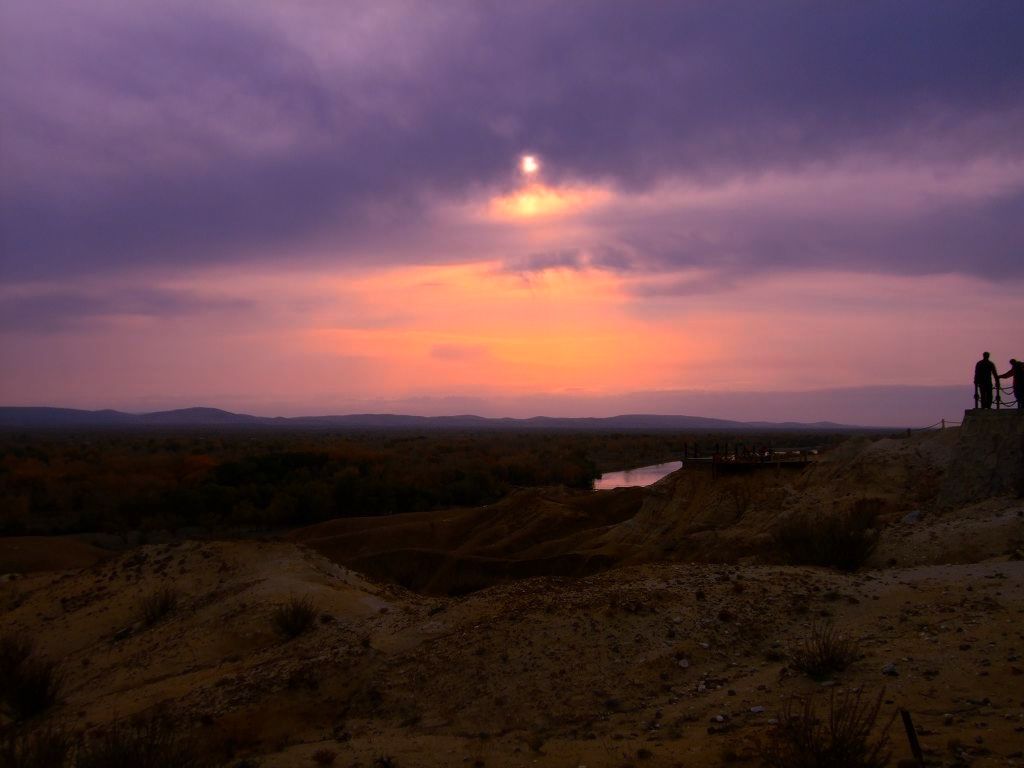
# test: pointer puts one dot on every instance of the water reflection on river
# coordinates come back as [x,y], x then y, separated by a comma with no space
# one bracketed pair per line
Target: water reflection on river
[638,476]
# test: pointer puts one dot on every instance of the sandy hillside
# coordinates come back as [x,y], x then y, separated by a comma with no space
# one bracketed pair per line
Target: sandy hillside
[690,515]
[638,657]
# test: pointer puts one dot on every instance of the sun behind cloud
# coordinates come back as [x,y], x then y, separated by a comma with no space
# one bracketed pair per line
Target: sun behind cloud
[542,201]
[535,199]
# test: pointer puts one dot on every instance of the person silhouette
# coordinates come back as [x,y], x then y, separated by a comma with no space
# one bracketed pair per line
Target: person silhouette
[1017,372]
[984,375]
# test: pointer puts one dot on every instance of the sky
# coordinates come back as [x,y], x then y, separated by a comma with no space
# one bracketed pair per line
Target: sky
[774,211]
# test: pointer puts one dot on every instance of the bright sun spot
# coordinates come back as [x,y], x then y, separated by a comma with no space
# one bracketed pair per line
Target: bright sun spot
[529,165]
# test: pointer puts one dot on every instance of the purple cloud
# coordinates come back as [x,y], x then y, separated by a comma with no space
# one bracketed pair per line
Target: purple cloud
[170,135]
[67,309]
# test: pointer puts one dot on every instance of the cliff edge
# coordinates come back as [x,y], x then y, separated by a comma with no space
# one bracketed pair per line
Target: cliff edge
[988,459]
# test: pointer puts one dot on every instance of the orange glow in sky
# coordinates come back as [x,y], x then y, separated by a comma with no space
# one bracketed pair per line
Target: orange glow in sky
[541,201]
[479,326]
[321,341]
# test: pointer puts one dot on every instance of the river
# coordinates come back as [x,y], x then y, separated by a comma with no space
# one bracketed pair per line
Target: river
[639,476]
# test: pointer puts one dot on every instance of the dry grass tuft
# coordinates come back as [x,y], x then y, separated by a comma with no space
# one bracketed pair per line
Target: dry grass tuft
[149,743]
[158,604]
[824,652]
[844,738]
[295,617]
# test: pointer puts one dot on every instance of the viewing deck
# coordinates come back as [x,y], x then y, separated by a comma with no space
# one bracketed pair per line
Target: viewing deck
[988,458]
[740,462]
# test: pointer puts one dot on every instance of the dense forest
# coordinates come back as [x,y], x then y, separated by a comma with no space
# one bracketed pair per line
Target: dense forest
[141,480]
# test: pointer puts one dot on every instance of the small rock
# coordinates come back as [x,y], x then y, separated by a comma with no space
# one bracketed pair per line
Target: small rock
[890,670]
[757,710]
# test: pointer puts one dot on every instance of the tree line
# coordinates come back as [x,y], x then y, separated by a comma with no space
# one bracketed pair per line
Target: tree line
[120,481]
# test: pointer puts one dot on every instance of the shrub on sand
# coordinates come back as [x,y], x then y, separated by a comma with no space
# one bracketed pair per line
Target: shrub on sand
[824,652]
[154,742]
[158,604]
[295,617]
[844,737]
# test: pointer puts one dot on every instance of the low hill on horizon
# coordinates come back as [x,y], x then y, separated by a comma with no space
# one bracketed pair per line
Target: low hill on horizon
[38,417]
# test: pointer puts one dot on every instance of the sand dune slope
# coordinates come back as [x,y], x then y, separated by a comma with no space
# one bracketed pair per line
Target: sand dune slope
[667,663]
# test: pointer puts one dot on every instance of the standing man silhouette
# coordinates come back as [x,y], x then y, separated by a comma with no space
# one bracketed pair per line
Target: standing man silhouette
[984,375]
[1017,372]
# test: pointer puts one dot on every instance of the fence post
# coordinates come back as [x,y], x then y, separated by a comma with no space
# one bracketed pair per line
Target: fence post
[915,746]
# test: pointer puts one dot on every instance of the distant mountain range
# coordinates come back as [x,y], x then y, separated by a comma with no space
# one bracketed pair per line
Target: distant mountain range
[63,418]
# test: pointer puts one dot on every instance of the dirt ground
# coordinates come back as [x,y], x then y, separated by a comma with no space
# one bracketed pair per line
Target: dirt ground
[620,641]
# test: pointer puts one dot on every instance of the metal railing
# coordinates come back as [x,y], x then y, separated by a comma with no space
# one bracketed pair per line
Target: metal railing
[940,424]
[1010,402]
[998,393]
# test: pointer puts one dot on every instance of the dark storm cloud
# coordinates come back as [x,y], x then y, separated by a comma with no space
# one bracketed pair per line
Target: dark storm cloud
[181,135]
[983,237]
